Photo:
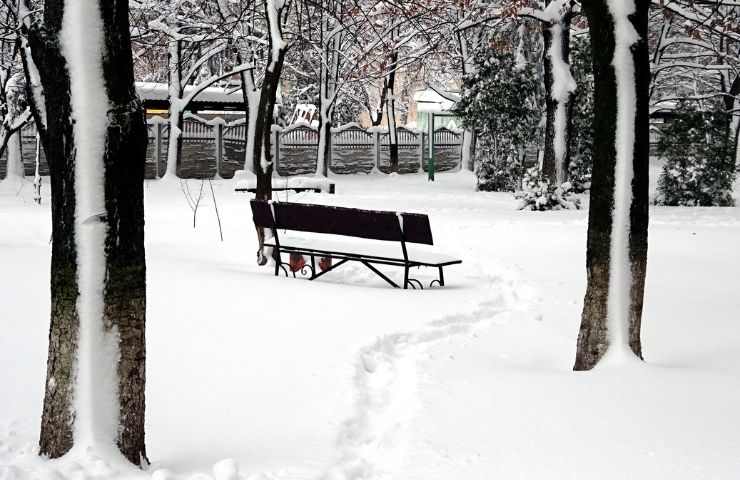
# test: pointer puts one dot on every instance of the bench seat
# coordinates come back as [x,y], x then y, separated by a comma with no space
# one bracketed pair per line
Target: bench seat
[325,245]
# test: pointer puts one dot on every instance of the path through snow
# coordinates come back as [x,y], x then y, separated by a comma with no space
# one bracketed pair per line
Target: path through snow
[373,443]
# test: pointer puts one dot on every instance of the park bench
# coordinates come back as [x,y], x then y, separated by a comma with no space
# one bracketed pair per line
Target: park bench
[297,189]
[348,234]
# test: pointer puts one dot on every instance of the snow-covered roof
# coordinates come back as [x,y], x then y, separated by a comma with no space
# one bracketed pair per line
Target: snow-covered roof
[430,101]
[159,91]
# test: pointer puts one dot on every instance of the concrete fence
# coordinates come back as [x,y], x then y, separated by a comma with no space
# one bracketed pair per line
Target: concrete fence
[211,146]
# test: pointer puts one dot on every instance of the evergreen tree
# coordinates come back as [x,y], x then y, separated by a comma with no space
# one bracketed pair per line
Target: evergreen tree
[700,167]
[501,101]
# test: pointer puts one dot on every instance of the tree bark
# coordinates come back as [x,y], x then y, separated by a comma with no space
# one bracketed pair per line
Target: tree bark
[594,337]
[57,420]
[124,288]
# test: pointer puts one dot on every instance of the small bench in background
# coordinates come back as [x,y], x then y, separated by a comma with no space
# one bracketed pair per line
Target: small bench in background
[290,189]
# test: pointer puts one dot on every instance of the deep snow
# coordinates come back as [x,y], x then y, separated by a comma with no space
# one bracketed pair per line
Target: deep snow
[347,378]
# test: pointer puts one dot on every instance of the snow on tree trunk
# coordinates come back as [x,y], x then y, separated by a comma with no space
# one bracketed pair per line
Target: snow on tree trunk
[252,97]
[174,143]
[560,88]
[96,150]
[618,216]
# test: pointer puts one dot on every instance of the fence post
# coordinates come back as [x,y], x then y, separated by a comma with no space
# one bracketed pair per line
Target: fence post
[157,147]
[219,134]
[376,150]
[276,157]
[420,134]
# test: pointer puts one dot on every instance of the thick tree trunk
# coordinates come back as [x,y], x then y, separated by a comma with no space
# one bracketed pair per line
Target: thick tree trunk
[618,215]
[558,101]
[57,420]
[125,287]
[71,416]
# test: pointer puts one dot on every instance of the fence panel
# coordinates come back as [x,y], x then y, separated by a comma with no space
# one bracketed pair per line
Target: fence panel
[298,151]
[447,150]
[409,151]
[353,151]
[198,158]
[150,165]
[234,146]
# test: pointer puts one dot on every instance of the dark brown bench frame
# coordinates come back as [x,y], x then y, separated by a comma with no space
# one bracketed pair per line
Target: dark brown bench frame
[369,224]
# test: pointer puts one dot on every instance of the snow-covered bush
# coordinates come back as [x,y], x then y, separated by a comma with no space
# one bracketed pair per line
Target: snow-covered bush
[494,171]
[538,194]
[502,102]
[699,167]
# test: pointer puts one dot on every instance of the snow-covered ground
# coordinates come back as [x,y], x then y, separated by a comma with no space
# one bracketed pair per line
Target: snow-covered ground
[346,378]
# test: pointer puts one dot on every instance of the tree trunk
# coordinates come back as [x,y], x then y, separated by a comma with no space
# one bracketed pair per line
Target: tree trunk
[324,152]
[618,215]
[176,114]
[263,165]
[733,121]
[96,158]
[467,160]
[391,107]
[15,168]
[559,93]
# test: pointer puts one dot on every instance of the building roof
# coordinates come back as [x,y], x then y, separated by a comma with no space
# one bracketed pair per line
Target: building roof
[156,95]
[430,101]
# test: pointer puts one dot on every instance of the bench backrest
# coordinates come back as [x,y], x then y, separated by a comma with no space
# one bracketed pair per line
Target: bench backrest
[351,222]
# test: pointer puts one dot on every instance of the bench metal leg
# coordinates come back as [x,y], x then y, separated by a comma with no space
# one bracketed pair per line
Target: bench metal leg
[329,269]
[380,274]
[441,280]
[406,277]
[278,261]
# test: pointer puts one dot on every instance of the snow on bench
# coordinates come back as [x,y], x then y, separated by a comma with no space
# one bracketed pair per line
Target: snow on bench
[246,183]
